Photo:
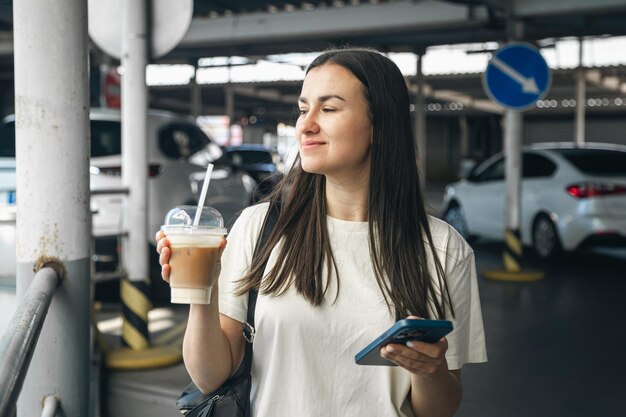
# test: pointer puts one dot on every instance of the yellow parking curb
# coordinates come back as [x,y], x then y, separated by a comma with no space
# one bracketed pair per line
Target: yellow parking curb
[513,276]
[153,357]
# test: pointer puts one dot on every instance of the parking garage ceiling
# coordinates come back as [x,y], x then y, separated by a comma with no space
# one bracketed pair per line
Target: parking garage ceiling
[257,28]
[252,27]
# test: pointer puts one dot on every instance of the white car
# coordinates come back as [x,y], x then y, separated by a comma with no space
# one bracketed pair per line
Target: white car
[7,217]
[572,197]
[178,153]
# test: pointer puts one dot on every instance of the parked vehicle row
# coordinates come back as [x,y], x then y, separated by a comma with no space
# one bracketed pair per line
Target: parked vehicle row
[178,153]
[261,163]
[572,197]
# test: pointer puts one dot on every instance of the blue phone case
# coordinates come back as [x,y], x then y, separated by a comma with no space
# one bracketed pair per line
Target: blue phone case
[404,330]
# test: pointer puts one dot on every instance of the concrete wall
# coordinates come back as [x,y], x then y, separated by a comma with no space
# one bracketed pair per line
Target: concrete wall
[485,137]
[599,128]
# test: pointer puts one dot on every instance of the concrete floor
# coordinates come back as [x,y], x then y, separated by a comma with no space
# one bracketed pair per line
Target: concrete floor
[555,347]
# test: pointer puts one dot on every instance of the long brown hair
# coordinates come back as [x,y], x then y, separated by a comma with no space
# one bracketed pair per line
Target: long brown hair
[398,224]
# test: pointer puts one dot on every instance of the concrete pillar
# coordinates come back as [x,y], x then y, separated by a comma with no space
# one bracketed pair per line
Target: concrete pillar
[54,221]
[420,120]
[196,95]
[135,154]
[581,85]
[229,99]
[463,136]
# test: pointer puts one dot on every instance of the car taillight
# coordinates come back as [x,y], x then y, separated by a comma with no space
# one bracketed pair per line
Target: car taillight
[153,170]
[588,190]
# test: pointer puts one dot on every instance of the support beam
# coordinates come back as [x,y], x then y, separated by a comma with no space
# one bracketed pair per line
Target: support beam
[229,100]
[135,157]
[467,101]
[453,96]
[581,93]
[608,82]
[6,44]
[420,121]
[265,94]
[532,8]
[196,95]
[397,17]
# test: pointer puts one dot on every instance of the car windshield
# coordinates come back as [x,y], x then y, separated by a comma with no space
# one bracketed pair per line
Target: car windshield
[181,140]
[599,162]
[254,157]
[7,140]
[106,138]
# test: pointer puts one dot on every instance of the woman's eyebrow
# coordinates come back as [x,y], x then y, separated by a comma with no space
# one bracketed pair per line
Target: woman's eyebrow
[321,99]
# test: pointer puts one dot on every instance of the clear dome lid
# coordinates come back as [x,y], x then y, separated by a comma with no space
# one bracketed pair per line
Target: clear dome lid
[180,220]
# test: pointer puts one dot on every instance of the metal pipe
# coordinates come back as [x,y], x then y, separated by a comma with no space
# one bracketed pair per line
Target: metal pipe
[513,167]
[110,191]
[50,406]
[20,338]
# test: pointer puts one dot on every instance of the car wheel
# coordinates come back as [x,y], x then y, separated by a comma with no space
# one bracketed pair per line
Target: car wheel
[546,241]
[455,217]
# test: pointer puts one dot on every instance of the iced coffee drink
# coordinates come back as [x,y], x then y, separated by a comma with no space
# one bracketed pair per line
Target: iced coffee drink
[194,253]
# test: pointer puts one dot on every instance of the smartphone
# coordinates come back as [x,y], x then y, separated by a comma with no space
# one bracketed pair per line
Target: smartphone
[404,330]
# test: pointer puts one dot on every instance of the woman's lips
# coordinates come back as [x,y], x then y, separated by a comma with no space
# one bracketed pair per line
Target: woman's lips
[312,144]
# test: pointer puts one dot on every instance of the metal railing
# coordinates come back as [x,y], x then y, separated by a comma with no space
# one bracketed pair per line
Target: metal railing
[20,339]
[50,406]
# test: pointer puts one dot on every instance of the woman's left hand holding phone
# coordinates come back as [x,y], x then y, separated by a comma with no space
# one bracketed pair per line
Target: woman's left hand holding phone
[435,390]
[417,357]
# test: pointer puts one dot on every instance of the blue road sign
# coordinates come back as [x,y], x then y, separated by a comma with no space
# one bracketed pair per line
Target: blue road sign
[517,76]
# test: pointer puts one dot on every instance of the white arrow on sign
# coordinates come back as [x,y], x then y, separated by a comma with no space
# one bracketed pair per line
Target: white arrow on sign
[528,84]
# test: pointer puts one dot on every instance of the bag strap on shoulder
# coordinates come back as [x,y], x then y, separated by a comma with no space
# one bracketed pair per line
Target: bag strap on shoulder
[268,225]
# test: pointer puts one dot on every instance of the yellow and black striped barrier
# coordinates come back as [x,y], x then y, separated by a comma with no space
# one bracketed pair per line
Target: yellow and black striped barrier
[137,351]
[135,307]
[512,260]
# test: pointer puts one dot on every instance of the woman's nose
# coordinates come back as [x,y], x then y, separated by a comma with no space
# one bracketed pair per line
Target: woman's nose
[309,123]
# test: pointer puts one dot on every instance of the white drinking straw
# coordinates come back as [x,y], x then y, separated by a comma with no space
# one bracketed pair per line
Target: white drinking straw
[205,187]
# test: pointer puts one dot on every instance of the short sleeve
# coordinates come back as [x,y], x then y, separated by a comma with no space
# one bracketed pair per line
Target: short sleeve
[466,343]
[237,258]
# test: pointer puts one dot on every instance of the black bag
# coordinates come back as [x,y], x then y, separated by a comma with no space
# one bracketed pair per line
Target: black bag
[232,399]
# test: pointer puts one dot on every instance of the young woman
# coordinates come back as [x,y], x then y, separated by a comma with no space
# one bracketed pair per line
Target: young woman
[353,251]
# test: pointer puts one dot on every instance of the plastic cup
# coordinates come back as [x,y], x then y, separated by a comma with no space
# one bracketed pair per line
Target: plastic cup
[194,252]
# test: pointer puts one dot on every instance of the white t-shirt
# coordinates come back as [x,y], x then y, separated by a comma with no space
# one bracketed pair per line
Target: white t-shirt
[303,361]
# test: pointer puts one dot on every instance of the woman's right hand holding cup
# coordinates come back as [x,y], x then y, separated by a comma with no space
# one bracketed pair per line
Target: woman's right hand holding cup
[164,251]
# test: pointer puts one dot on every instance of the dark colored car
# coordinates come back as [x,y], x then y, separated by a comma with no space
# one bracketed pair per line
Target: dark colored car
[259,162]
